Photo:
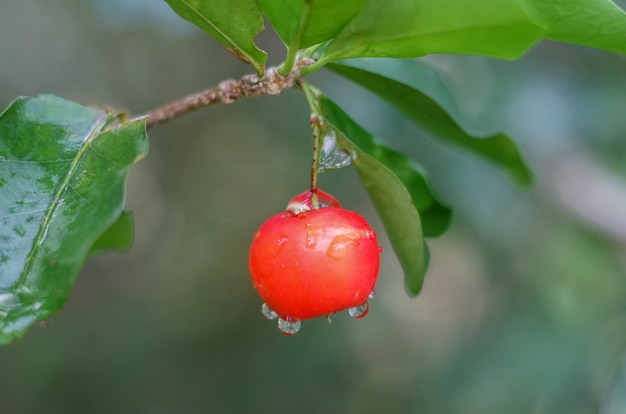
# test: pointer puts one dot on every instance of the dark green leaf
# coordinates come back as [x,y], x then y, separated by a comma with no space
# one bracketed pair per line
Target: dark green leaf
[398,191]
[304,23]
[595,23]
[428,114]
[119,236]
[63,170]
[409,28]
[235,23]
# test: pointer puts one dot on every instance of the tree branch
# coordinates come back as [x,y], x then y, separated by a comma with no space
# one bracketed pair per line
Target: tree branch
[228,91]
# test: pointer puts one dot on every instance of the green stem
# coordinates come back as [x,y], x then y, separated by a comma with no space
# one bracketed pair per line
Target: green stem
[290,59]
[307,70]
[311,95]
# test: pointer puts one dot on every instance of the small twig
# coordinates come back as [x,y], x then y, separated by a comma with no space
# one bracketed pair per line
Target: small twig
[228,91]
[317,122]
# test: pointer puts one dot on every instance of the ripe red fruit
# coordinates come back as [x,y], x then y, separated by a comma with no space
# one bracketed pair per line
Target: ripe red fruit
[314,263]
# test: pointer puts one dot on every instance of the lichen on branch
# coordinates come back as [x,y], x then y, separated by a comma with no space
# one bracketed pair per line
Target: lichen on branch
[228,91]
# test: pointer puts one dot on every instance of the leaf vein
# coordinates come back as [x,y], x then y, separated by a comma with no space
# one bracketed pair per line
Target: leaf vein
[416,36]
[56,201]
[23,213]
[35,161]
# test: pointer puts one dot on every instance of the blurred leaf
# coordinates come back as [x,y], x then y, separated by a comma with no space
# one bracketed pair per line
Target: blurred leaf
[119,236]
[235,23]
[498,28]
[304,23]
[595,23]
[615,399]
[398,191]
[63,169]
[428,114]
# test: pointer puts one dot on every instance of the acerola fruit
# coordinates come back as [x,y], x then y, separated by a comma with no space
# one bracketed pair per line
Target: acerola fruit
[309,262]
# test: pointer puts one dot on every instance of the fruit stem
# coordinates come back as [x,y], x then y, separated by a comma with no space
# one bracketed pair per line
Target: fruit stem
[317,121]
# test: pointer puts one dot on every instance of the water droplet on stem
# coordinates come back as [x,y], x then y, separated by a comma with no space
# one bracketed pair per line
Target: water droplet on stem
[332,157]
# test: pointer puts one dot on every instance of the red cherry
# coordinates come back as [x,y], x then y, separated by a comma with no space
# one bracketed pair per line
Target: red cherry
[314,263]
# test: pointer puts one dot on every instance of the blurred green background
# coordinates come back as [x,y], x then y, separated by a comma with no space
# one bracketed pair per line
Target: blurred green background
[524,306]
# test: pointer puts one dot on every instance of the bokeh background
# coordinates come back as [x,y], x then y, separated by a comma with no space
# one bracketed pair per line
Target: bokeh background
[524,305]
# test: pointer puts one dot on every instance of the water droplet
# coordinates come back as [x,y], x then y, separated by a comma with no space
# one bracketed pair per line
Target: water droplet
[7,301]
[289,326]
[359,312]
[369,234]
[296,207]
[311,236]
[281,239]
[340,244]
[268,312]
[333,157]
[372,294]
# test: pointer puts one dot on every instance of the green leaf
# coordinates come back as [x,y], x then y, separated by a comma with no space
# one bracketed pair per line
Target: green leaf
[304,23]
[398,191]
[410,28]
[595,23]
[120,236]
[63,169]
[235,23]
[428,114]
[615,399]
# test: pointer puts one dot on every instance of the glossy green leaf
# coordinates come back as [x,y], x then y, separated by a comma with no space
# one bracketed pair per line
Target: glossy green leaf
[304,23]
[398,190]
[595,23]
[235,23]
[63,169]
[409,28]
[120,236]
[428,114]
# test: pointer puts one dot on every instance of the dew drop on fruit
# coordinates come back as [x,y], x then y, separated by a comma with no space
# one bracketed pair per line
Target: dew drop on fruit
[340,245]
[369,234]
[311,236]
[268,312]
[359,312]
[289,326]
[282,239]
[372,294]
[333,157]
